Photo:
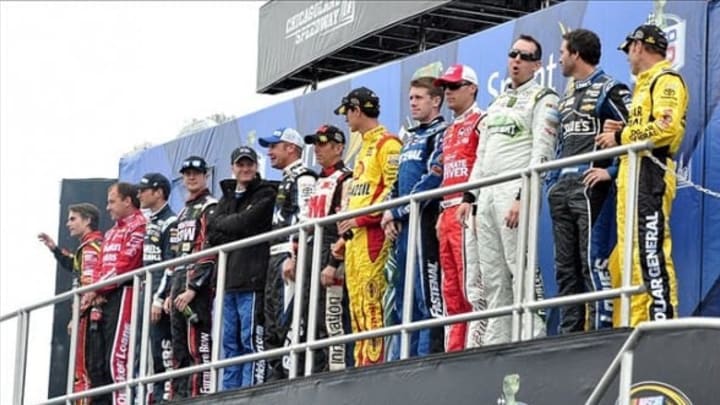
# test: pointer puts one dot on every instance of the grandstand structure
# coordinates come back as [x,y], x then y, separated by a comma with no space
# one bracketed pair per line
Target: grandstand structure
[671,361]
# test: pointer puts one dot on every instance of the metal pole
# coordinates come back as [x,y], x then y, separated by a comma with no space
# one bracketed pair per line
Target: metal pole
[21,346]
[133,337]
[626,371]
[314,297]
[630,211]
[216,332]
[521,258]
[531,258]
[144,333]
[408,299]
[75,321]
[297,302]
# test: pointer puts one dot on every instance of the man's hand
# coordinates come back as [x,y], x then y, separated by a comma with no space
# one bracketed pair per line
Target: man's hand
[47,240]
[607,138]
[612,125]
[392,230]
[327,276]
[155,313]
[167,305]
[346,225]
[513,215]
[594,176]
[182,300]
[337,249]
[462,214]
[87,300]
[386,219]
[288,269]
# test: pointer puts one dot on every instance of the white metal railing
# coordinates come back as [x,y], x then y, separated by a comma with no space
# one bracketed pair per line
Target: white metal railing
[521,310]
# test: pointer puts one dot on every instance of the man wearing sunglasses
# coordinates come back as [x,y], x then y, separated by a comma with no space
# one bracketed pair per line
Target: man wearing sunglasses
[285,149]
[461,281]
[578,194]
[416,175]
[375,171]
[518,131]
[657,113]
[191,290]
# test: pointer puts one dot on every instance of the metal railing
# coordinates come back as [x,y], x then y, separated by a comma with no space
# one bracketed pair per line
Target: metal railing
[521,310]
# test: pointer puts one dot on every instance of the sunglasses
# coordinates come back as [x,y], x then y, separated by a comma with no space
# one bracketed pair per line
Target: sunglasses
[455,86]
[526,56]
[192,163]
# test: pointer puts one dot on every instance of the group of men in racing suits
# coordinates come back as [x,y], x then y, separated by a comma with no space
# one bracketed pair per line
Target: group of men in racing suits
[466,245]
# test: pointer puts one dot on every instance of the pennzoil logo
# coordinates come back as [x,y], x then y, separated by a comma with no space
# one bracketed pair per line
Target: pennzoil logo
[657,393]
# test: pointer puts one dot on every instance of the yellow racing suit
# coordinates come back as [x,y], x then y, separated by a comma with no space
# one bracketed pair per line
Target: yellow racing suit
[657,113]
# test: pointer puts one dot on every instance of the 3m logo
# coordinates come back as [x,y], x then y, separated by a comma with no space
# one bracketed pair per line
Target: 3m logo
[320,18]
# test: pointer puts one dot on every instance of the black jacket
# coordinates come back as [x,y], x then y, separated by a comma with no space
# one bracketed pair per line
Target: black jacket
[239,218]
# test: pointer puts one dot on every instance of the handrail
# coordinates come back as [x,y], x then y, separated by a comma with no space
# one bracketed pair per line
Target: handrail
[524,305]
[630,343]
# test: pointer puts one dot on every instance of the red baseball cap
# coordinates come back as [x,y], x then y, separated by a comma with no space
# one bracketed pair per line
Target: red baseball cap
[457,73]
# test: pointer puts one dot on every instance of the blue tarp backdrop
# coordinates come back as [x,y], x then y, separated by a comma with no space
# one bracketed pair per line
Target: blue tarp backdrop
[691,26]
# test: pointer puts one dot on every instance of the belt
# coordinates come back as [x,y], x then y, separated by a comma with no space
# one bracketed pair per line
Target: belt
[279,248]
[445,204]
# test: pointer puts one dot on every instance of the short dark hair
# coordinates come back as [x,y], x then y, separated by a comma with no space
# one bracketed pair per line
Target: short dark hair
[127,190]
[530,38]
[370,112]
[585,43]
[653,49]
[429,84]
[87,211]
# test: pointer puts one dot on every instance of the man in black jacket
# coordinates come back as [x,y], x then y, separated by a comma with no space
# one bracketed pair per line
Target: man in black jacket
[245,210]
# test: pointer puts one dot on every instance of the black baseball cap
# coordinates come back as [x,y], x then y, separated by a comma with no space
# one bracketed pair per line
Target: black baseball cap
[194,163]
[243,152]
[648,34]
[326,133]
[155,181]
[361,97]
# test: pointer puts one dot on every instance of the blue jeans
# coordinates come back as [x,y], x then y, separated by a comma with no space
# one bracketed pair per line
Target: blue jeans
[242,334]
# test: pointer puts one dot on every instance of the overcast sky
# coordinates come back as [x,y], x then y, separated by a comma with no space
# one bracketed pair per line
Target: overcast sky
[81,84]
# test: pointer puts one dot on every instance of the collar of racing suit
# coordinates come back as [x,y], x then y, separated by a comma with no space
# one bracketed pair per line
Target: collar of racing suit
[428,124]
[327,171]
[374,133]
[94,235]
[663,64]
[473,108]
[586,82]
[191,199]
[288,169]
[521,88]
[156,214]
[124,221]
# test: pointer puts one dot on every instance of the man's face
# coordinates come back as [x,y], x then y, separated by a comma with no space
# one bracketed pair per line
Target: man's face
[149,197]
[567,60]
[522,70]
[244,170]
[280,154]
[422,105]
[117,206]
[76,224]
[459,96]
[352,117]
[194,180]
[634,55]
[327,153]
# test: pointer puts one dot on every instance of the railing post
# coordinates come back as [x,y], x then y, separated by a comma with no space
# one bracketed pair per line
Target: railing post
[408,290]
[144,333]
[133,337]
[74,325]
[298,302]
[533,212]
[216,333]
[521,257]
[626,372]
[21,345]
[630,212]
[314,297]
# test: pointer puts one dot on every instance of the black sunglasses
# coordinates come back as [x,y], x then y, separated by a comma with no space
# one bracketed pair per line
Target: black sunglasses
[526,56]
[455,86]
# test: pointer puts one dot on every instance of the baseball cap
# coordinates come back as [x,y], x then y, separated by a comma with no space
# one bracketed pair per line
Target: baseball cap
[361,97]
[282,135]
[243,152]
[326,133]
[648,34]
[194,162]
[154,180]
[457,73]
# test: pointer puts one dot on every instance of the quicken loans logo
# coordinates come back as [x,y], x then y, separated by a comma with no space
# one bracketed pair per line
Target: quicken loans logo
[320,18]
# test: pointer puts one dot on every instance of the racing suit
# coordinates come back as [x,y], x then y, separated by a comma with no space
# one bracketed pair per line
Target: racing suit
[518,131]
[375,171]
[191,340]
[109,342]
[583,240]
[657,113]
[83,263]
[291,207]
[332,186]
[462,289]
[415,175]
[239,215]
[156,248]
